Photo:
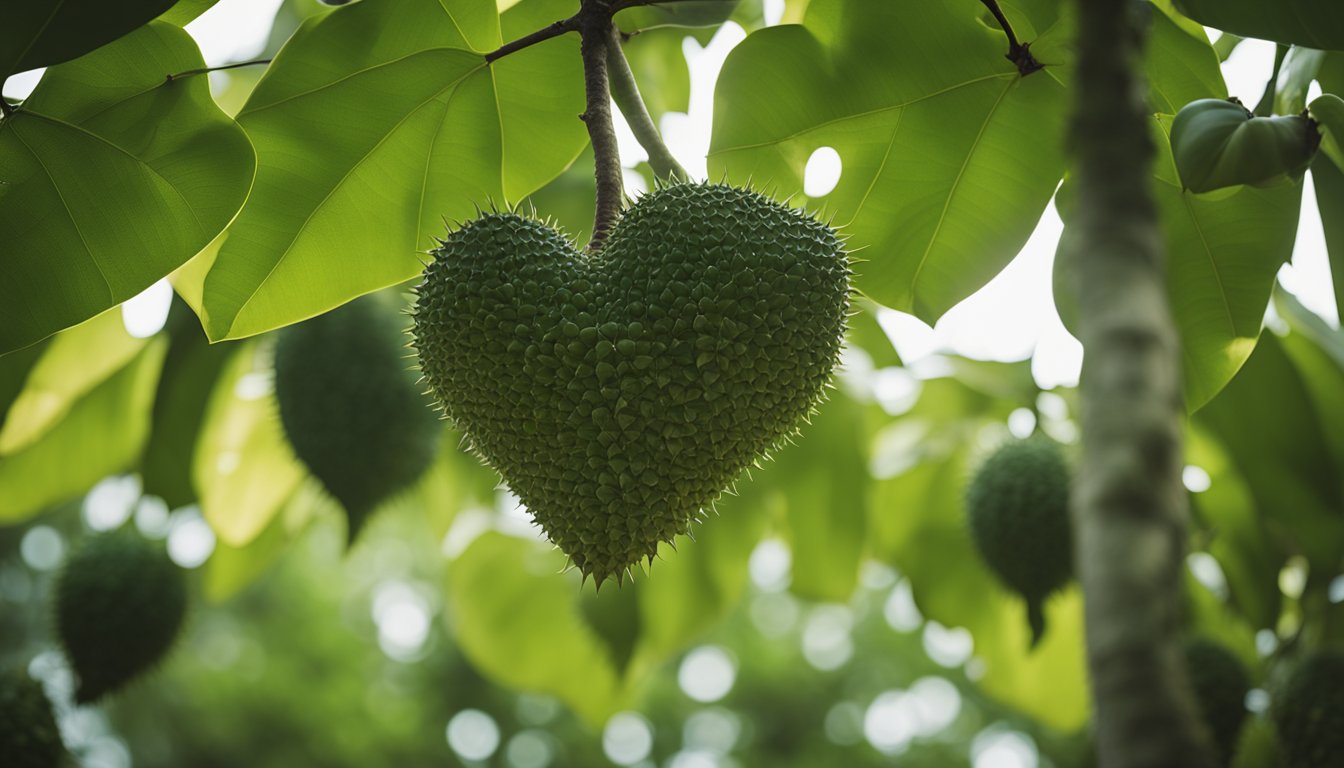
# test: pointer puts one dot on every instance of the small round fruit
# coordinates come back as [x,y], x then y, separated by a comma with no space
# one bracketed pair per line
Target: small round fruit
[1220,683]
[29,737]
[1309,712]
[1018,512]
[120,602]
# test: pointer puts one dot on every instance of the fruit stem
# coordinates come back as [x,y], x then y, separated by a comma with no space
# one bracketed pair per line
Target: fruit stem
[626,92]
[1019,53]
[595,30]
[1129,505]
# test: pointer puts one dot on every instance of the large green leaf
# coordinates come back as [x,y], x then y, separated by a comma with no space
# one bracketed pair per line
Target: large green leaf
[518,619]
[376,123]
[949,155]
[39,33]
[1275,425]
[100,435]
[112,177]
[1223,248]
[1313,23]
[73,364]
[244,469]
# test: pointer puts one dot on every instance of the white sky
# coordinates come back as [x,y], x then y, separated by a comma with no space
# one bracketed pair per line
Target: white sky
[1009,319]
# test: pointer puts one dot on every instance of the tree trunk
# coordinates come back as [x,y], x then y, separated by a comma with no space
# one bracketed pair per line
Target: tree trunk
[1129,505]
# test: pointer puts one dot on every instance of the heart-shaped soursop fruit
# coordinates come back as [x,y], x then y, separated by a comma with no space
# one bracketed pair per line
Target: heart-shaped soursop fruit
[619,392]
[351,407]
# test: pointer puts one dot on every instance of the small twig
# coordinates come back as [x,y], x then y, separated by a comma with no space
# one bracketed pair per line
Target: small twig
[621,5]
[1019,53]
[626,92]
[204,70]
[545,33]
[595,29]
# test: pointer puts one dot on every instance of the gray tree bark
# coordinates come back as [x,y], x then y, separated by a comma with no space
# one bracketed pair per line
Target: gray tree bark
[1129,505]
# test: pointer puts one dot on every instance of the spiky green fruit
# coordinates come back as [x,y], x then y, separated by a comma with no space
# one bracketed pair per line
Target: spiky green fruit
[619,392]
[1018,512]
[29,737]
[1220,683]
[120,602]
[351,407]
[1309,712]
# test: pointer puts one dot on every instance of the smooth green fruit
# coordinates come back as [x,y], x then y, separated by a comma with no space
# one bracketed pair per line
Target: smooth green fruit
[351,407]
[1018,512]
[1218,143]
[1309,712]
[1220,683]
[119,605]
[29,737]
[619,392]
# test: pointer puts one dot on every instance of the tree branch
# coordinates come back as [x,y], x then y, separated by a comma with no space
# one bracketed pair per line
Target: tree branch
[626,92]
[595,28]
[1129,503]
[1018,53]
[545,33]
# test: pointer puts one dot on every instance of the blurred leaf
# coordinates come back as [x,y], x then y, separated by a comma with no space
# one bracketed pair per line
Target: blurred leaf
[517,618]
[693,588]
[101,434]
[14,369]
[866,333]
[426,132]
[1238,538]
[1275,433]
[456,480]
[189,374]
[1210,619]
[567,202]
[74,362]
[822,484]
[1328,111]
[659,63]
[686,13]
[73,248]
[184,12]
[230,569]
[946,168]
[1258,746]
[1311,23]
[1329,187]
[1299,68]
[244,468]
[614,615]
[39,33]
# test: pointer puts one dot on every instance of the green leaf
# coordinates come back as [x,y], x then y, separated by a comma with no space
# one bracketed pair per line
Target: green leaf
[113,178]
[1328,111]
[949,156]
[189,375]
[244,468]
[230,569]
[659,63]
[1283,450]
[74,363]
[1298,69]
[822,484]
[39,33]
[376,123]
[14,368]
[102,434]
[867,334]
[1329,184]
[516,616]
[1312,23]
[184,12]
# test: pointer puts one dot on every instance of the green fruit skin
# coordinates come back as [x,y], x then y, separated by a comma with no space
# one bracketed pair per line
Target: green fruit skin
[29,736]
[351,407]
[1308,711]
[1220,683]
[1218,143]
[120,602]
[619,392]
[1018,513]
